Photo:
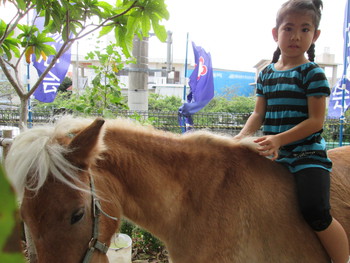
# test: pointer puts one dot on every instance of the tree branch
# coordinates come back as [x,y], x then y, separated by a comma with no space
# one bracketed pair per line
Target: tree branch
[10,27]
[10,78]
[133,5]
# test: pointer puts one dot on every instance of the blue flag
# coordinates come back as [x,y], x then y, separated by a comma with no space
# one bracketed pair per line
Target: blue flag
[201,84]
[46,92]
[340,99]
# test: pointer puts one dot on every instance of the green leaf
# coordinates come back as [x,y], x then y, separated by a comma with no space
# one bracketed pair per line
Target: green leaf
[8,205]
[15,50]
[158,29]
[57,21]
[6,51]
[9,44]
[43,38]
[104,5]
[124,42]
[21,4]
[39,6]
[145,24]
[157,7]
[105,30]
[65,33]
[48,50]
[132,25]
[47,17]
[12,258]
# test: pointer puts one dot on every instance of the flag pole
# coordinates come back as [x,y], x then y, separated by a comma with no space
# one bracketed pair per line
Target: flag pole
[345,67]
[29,117]
[183,129]
[184,93]
[342,117]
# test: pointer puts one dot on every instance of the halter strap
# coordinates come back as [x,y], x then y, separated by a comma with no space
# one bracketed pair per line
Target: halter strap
[94,243]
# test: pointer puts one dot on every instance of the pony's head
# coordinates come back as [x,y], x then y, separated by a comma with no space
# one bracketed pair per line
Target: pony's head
[50,170]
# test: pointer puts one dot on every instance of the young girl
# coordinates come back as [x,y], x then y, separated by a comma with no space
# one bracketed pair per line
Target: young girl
[291,97]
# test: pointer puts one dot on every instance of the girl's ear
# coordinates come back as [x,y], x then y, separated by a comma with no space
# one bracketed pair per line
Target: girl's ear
[275,34]
[317,34]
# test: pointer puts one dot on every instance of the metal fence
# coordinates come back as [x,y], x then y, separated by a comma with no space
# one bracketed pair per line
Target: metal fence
[223,122]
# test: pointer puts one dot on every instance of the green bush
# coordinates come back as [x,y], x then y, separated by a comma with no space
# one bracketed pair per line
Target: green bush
[127,227]
[145,246]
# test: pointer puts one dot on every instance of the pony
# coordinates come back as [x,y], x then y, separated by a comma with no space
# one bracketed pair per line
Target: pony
[208,197]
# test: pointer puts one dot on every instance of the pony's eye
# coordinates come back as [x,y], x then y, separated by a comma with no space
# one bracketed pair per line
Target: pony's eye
[77,216]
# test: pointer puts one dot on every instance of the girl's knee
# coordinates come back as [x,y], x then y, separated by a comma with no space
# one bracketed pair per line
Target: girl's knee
[317,219]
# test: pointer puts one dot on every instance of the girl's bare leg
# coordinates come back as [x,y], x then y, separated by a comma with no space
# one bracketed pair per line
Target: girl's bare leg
[335,242]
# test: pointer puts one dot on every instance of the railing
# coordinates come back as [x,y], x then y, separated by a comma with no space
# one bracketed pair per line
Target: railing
[223,122]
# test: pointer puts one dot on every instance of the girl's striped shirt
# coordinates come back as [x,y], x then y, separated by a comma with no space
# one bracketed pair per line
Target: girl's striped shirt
[286,95]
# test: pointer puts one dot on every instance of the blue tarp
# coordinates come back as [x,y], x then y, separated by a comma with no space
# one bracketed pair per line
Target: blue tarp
[232,83]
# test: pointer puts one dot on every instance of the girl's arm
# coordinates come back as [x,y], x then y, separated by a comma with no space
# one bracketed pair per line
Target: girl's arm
[270,144]
[255,120]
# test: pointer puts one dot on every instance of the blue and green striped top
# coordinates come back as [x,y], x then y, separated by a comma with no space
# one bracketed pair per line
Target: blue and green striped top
[286,95]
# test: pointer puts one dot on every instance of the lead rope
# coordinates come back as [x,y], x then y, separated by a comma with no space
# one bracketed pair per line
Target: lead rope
[94,242]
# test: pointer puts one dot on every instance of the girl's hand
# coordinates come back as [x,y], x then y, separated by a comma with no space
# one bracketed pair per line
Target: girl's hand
[268,146]
[238,137]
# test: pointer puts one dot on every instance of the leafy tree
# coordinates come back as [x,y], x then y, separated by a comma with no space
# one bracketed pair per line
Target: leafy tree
[106,88]
[237,104]
[163,103]
[7,93]
[91,101]
[73,19]
[104,96]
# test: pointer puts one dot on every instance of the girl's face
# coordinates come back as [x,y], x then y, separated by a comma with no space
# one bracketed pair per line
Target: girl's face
[295,35]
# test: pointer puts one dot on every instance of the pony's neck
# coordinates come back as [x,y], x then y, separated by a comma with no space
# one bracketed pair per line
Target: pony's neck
[145,178]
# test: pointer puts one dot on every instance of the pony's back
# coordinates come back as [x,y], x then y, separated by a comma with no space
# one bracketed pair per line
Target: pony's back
[340,185]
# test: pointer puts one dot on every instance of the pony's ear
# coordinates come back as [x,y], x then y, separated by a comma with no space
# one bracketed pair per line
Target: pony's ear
[84,145]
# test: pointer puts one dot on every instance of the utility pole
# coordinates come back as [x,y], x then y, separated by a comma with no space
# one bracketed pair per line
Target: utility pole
[169,58]
[138,76]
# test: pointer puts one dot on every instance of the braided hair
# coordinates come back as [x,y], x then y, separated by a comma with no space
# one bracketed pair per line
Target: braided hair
[310,53]
[312,7]
[276,55]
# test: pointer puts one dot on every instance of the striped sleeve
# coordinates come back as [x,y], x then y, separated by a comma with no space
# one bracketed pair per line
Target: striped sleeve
[259,86]
[316,82]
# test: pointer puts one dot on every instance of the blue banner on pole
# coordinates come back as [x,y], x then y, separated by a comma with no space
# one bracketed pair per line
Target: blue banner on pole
[46,92]
[201,84]
[340,100]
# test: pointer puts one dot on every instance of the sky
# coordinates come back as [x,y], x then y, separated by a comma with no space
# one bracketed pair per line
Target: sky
[238,33]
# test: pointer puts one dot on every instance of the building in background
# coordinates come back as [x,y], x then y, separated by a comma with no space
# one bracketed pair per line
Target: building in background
[325,60]
[227,83]
[169,80]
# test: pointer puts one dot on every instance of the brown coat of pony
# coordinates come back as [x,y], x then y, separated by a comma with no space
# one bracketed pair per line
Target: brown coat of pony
[209,198]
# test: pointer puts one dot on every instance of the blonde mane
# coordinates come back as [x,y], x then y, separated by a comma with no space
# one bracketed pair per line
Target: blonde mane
[36,152]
